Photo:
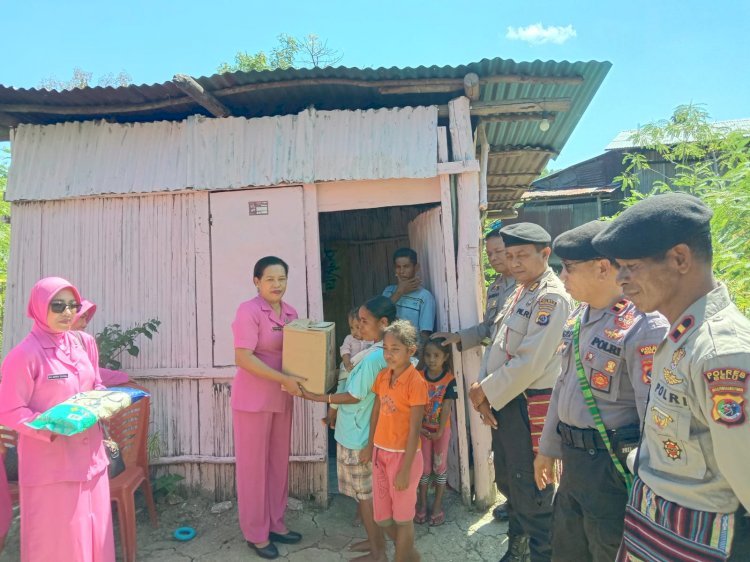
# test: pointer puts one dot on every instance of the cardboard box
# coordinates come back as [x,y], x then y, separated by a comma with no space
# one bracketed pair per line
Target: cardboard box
[310,352]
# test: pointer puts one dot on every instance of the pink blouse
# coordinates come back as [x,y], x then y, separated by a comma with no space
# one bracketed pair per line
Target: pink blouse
[257,328]
[37,375]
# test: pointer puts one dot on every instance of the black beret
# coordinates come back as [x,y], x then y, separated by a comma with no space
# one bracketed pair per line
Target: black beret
[653,226]
[524,233]
[575,244]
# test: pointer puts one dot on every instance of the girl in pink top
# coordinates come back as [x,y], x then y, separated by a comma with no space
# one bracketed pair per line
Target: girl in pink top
[81,320]
[63,484]
[262,410]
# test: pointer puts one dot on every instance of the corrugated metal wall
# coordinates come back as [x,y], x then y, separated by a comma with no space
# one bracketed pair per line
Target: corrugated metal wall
[137,258]
[90,158]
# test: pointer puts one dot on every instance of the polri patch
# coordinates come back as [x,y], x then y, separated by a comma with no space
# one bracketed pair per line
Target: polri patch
[542,318]
[647,365]
[684,325]
[727,385]
[57,376]
[601,381]
[610,367]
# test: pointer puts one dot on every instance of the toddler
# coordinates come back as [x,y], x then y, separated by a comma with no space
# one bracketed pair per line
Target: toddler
[353,346]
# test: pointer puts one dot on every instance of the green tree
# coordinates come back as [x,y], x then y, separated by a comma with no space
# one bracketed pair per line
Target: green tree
[712,163]
[298,52]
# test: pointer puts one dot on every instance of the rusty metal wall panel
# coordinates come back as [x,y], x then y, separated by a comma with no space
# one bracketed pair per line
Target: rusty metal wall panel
[93,158]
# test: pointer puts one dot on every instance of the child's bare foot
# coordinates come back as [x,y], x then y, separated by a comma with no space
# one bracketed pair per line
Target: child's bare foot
[371,558]
[361,546]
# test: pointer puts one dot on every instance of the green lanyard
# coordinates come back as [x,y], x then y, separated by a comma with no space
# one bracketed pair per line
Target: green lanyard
[588,396]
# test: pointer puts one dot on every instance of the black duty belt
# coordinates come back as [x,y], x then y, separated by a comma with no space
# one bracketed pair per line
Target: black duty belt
[537,391]
[578,438]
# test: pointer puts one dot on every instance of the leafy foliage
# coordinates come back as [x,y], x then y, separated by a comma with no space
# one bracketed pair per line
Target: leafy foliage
[113,340]
[712,163]
[166,484]
[290,52]
[83,79]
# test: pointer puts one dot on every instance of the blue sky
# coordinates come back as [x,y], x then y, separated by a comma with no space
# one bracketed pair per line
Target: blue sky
[664,53]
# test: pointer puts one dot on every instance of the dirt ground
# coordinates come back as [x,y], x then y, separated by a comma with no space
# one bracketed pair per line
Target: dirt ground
[466,536]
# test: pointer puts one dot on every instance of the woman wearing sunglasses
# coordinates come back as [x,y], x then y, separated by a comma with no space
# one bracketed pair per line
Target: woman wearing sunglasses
[63,484]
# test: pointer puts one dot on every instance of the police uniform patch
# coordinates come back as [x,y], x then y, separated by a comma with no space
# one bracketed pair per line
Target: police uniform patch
[727,386]
[681,328]
[542,318]
[670,377]
[647,365]
[533,287]
[673,450]
[615,335]
[661,419]
[669,372]
[626,320]
[546,306]
[589,356]
[620,306]
[600,381]
[610,367]
[647,361]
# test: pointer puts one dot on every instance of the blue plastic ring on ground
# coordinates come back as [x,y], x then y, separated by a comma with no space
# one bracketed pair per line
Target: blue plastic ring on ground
[184,533]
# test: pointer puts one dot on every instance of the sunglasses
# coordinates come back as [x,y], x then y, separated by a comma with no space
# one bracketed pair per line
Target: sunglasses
[58,307]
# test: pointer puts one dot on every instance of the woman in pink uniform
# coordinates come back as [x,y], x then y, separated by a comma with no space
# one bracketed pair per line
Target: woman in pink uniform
[6,506]
[81,320]
[64,490]
[262,411]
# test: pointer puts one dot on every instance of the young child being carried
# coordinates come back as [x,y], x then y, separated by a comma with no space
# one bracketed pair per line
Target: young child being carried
[401,395]
[436,430]
[353,346]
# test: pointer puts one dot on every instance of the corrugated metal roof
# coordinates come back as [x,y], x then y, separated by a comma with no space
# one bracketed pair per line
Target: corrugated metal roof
[571,193]
[285,92]
[624,139]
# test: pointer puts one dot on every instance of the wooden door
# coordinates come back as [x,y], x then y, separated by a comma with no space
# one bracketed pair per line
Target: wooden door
[431,236]
[247,225]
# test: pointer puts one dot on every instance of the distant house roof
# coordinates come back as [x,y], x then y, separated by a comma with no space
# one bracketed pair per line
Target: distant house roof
[624,139]
[514,97]
[569,193]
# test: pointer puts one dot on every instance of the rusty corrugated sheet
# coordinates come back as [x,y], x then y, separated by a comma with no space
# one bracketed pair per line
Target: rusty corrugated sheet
[92,158]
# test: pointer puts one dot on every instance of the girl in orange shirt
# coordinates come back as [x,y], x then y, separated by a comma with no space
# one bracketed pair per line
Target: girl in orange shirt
[436,429]
[401,395]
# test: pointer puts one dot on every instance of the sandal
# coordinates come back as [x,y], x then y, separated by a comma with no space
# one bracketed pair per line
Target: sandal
[437,519]
[421,516]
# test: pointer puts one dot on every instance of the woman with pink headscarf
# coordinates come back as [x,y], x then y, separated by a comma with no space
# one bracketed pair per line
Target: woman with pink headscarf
[63,483]
[80,321]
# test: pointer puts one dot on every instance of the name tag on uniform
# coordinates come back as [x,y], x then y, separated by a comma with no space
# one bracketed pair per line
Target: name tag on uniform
[277,328]
[57,376]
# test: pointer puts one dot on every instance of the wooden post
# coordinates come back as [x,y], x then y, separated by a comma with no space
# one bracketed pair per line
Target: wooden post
[471,86]
[192,88]
[315,411]
[453,319]
[470,286]
[484,161]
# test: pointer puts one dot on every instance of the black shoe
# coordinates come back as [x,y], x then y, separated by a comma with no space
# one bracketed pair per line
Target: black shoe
[269,552]
[501,512]
[518,549]
[289,538]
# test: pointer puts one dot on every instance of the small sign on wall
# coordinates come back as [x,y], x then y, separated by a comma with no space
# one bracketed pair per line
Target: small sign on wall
[258,208]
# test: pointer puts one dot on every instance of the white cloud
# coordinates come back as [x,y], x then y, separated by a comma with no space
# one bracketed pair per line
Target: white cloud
[537,34]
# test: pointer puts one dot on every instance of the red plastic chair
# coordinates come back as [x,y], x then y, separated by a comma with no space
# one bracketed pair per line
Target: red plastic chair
[129,429]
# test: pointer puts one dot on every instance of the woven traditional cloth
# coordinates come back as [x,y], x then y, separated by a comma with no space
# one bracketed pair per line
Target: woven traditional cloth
[537,405]
[657,529]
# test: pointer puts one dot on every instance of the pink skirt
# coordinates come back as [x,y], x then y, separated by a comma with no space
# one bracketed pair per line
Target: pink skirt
[67,522]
